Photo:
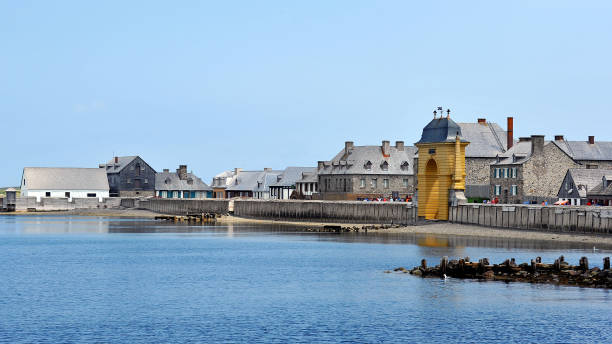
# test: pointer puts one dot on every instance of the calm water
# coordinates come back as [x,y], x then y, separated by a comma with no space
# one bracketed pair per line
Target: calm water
[66,279]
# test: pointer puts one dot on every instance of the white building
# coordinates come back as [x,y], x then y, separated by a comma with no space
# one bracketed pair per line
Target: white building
[286,183]
[60,182]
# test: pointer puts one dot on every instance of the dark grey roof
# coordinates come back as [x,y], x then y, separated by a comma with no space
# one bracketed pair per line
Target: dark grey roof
[440,129]
[291,175]
[170,181]
[582,150]
[486,140]
[587,177]
[355,162]
[600,190]
[62,178]
[122,162]
[517,154]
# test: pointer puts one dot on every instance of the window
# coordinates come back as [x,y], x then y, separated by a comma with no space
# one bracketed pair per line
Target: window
[497,190]
[513,190]
[432,151]
[129,181]
[514,173]
[368,165]
[91,195]
[24,182]
[374,183]
[404,166]
[588,166]
[47,194]
[67,194]
[406,183]
[386,183]
[362,183]
[496,173]
[146,181]
[384,166]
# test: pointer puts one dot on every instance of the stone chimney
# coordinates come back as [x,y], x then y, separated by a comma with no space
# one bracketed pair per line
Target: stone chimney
[182,172]
[399,145]
[348,146]
[320,165]
[537,144]
[482,121]
[510,136]
[558,137]
[237,170]
[591,140]
[386,148]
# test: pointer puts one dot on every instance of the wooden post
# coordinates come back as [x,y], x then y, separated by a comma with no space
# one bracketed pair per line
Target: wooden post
[539,260]
[533,266]
[424,263]
[443,264]
[584,263]
[485,261]
[606,263]
[561,259]
[467,259]
[557,265]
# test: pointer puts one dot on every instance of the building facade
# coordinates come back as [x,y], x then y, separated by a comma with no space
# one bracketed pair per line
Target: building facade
[308,185]
[130,176]
[54,182]
[601,194]
[286,183]
[578,182]
[180,184]
[360,172]
[252,184]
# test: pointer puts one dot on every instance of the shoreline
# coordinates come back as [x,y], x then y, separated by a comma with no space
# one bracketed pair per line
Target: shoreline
[436,228]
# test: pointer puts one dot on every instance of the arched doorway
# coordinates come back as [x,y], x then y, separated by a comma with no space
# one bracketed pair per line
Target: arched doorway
[431,200]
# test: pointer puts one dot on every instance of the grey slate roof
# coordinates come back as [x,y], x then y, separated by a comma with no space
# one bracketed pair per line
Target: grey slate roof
[291,175]
[170,181]
[112,167]
[486,140]
[253,181]
[591,178]
[521,151]
[441,129]
[65,178]
[355,161]
[600,190]
[582,150]
[308,177]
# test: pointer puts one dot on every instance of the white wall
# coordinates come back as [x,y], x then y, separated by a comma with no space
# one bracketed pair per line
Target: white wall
[100,194]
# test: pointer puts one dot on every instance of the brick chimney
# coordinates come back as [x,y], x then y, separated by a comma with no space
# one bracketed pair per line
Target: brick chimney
[348,146]
[399,145]
[386,148]
[182,172]
[537,144]
[558,137]
[510,136]
[482,121]
[116,160]
[591,140]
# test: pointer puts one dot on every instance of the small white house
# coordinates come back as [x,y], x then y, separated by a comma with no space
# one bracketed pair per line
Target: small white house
[61,182]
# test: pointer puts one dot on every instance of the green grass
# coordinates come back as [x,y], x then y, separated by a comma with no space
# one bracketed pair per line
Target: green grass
[3,191]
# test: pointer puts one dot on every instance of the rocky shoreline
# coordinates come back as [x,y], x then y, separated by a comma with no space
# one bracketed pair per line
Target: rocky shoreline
[558,273]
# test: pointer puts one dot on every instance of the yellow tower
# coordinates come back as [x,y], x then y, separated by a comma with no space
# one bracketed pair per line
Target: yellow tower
[441,168]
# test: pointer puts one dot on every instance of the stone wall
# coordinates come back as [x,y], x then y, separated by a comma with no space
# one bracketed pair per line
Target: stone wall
[58,204]
[536,217]
[332,187]
[325,211]
[184,206]
[543,173]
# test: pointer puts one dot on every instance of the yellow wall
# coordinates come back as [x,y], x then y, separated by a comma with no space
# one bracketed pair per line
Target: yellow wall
[434,184]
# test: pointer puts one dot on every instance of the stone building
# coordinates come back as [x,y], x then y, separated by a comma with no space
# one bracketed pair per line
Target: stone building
[286,182]
[308,184]
[487,141]
[359,172]
[180,184]
[531,171]
[252,184]
[578,182]
[130,176]
[591,154]
[222,180]
[601,194]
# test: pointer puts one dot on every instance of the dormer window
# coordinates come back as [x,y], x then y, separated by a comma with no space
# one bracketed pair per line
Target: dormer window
[189,181]
[167,181]
[404,166]
[384,166]
[368,165]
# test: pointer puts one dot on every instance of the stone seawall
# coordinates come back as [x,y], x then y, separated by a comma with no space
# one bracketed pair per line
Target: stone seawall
[327,211]
[536,217]
[58,204]
[184,206]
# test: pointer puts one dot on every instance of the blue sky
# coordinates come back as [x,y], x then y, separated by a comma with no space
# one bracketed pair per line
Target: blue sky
[254,84]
